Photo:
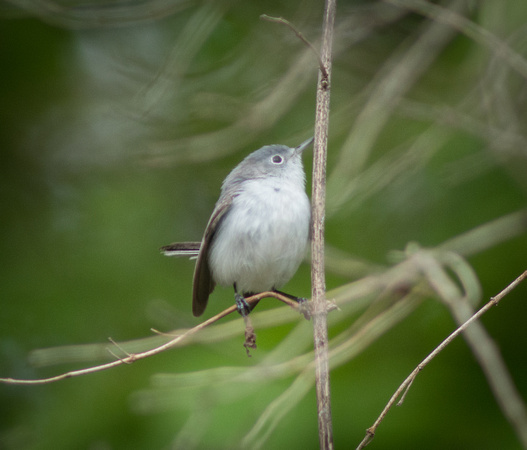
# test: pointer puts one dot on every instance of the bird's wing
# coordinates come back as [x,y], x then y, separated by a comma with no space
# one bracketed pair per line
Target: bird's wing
[203,283]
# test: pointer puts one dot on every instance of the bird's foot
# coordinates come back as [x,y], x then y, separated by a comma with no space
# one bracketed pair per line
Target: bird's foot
[241,305]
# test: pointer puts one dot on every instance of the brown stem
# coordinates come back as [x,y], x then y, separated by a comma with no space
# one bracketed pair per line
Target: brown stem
[320,330]
[133,357]
[300,36]
[403,388]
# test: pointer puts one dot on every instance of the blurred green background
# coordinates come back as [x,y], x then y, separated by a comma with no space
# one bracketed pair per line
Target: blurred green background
[119,120]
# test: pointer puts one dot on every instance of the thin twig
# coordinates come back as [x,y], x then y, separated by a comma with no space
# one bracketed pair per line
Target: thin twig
[493,366]
[403,388]
[318,282]
[133,357]
[115,355]
[300,36]
[509,288]
[456,295]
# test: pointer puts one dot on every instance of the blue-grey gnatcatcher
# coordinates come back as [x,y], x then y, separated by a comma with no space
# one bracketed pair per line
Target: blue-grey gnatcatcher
[258,232]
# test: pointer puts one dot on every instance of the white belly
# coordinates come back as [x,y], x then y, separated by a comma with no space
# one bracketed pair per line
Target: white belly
[262,240]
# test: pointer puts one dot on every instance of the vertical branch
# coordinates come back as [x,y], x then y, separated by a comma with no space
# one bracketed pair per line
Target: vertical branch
[318,282]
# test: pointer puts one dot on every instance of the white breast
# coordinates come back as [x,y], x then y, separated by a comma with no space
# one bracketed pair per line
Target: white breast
[263,238]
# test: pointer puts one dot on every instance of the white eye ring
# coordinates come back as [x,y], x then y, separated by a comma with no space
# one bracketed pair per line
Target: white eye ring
[277,159]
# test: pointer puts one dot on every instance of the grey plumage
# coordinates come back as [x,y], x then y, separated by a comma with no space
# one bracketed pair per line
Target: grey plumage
[258,232]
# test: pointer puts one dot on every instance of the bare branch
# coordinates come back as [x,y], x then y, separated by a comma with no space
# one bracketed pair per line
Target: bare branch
[318,200]
[133,357]
[300,36]
[403,388]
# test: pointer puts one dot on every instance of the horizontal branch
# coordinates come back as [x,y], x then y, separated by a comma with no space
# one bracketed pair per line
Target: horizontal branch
[133,357]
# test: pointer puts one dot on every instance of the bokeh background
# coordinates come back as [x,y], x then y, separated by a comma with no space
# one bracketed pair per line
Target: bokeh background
[119,120]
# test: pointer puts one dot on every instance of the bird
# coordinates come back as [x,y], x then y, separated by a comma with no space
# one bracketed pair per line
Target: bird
[258,232]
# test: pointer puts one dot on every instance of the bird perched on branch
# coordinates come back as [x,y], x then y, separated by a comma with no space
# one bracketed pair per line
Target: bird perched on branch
[258,232]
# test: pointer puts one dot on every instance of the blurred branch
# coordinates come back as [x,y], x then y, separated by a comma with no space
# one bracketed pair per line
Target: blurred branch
[189,43]
[258,117]
[488,235]
[396,77]
[404,282]
[448,16]
[405,386]
[250,119]
[99,14]
[353,296]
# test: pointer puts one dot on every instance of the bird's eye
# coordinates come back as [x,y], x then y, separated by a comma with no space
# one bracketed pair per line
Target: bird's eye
[277,159]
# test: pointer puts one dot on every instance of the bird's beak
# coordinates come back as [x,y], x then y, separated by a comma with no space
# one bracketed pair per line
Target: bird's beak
[303,146]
